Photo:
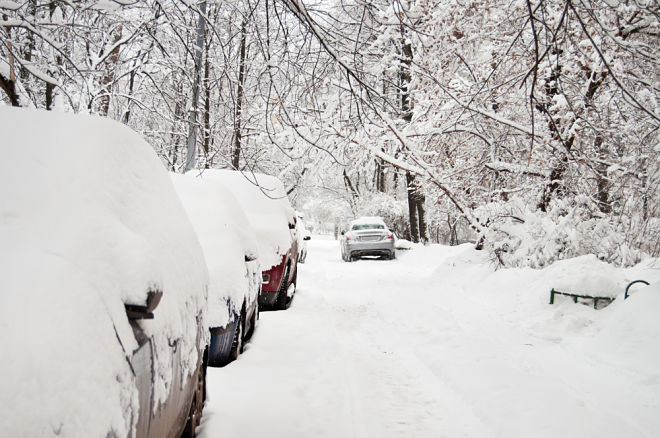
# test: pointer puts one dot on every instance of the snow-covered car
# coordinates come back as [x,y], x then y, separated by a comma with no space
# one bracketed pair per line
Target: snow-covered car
[265,202]
[367,236]
[231,252]
[103,284]
[303,236]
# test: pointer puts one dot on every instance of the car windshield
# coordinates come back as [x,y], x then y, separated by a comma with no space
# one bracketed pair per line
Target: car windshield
[367,227]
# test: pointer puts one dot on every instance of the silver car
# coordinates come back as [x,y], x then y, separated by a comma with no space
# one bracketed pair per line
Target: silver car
[367,236]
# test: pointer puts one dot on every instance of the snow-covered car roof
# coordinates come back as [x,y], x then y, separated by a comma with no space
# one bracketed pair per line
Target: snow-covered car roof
[90,221]
[368,220]
[265,202]
[226,236]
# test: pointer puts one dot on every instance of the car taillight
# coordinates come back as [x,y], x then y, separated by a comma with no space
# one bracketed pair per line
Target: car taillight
[348,238]
[390,237]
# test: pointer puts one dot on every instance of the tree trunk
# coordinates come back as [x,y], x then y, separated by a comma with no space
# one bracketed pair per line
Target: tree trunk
[381,183]
[207,110]
[412,207]
[602,182]
[236,153]
[109,76]
[421,215]
[8,85]
[131,84]
[191,153]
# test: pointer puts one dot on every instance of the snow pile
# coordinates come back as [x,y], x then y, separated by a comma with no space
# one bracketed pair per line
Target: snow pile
[89,220]
[265,203]
[226,237]
[629,333]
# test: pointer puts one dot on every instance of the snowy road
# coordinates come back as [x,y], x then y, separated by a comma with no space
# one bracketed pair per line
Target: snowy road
[421,347]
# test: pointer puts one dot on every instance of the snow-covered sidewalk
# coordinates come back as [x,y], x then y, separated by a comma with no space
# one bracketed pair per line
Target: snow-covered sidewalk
[436,344]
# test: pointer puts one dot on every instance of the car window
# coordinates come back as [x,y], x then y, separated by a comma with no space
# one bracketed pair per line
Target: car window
[368,227]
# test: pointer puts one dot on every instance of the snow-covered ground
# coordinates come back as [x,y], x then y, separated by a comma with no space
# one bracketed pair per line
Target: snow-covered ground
[439,344]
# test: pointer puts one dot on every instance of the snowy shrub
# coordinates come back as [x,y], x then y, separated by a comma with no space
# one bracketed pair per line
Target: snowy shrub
[519,236]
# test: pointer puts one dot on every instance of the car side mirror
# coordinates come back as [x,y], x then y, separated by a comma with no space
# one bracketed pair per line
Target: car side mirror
[307,238]
[342,233]
[292,226]
[136,311]
[250,257]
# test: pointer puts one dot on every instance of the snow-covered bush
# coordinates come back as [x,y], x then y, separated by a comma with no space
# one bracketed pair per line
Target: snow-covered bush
[520,236]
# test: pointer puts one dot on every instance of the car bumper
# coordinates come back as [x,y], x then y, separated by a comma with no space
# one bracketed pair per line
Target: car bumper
[267,298]
[371,248]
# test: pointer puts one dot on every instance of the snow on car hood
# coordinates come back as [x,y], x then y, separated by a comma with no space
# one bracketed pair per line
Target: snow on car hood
[89,220]
[226,237]
[265,203]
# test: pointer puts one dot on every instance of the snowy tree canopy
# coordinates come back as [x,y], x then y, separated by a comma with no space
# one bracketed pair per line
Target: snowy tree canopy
[529,127]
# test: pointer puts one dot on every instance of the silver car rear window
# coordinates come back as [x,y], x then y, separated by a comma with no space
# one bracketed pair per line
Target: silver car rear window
[368,227]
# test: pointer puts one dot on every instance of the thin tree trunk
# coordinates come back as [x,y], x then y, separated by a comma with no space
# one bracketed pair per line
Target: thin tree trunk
[412,207]
[109,76]
[207,110]
[8,85]
[602,182]
[131,84]
[191,153]
[421,215]
[416,215]
[236,153]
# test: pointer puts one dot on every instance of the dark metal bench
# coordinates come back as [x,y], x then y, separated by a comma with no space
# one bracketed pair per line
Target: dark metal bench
[575,297]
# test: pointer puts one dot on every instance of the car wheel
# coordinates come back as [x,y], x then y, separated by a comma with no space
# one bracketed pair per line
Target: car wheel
[253,323]
[283,301]
[237,343]
[197,404]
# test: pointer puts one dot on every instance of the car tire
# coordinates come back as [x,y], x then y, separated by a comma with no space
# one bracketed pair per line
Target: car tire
[283,301]
[253,324]
[196,405]
[237,343]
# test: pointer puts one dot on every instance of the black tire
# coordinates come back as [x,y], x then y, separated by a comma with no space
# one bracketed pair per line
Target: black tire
[239,338]
[283,301]
[253,323]
[197,404]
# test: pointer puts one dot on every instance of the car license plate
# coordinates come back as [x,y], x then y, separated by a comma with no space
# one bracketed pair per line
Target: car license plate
[369,238]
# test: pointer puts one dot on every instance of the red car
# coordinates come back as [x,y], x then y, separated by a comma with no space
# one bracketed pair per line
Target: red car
[264,200]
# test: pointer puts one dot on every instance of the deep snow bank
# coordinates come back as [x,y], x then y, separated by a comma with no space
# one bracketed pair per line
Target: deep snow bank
[625,333]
